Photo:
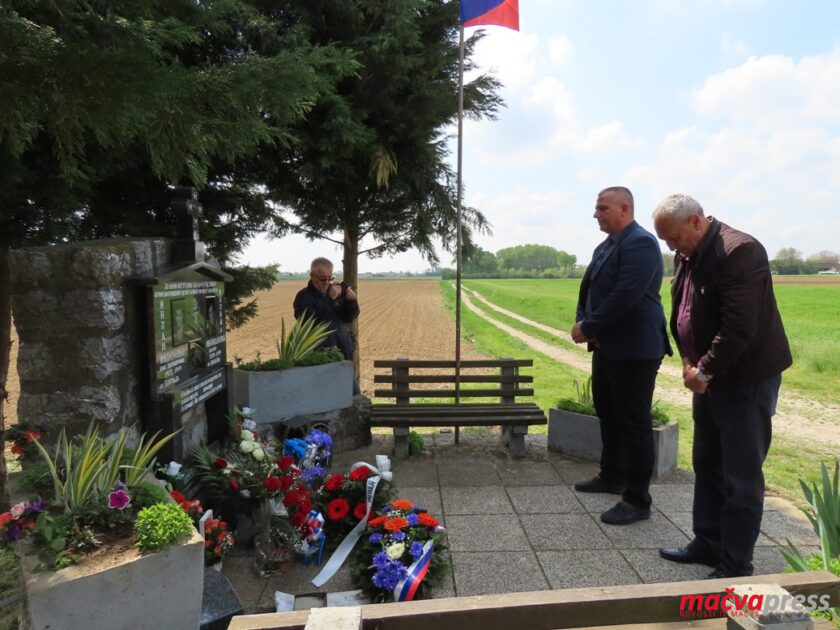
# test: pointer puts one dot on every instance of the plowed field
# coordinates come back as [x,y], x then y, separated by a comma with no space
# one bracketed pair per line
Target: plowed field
[398,318]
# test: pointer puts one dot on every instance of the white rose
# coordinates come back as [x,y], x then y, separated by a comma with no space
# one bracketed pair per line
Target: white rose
[249,424]
[247,436]
[247,447]
[245,493]
[395,551]
[258,454]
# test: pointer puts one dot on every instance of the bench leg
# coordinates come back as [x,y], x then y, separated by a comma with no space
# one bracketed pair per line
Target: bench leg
[400,442]
[505,434]
[516,440]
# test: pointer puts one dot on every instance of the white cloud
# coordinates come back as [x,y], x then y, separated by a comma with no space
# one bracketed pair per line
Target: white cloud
[560,52]
[734,48]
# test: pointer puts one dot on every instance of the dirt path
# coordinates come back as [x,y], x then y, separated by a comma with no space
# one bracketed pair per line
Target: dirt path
[796,416]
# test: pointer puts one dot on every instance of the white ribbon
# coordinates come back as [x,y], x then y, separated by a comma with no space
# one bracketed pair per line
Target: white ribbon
[340,554]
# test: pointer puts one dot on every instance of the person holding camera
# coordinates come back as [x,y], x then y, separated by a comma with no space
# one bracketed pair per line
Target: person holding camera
[333,303]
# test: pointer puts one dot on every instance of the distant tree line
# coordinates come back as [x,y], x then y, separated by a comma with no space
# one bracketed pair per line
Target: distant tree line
[521,261]
[789,261]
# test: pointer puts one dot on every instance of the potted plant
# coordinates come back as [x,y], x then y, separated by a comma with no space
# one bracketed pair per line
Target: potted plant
[107,544]
[574,429]
[302,380]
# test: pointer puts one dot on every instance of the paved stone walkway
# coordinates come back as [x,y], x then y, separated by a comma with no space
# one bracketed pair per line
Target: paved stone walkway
[517,525]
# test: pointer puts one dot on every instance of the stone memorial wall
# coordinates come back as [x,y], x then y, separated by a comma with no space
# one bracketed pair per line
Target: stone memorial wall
[82,330]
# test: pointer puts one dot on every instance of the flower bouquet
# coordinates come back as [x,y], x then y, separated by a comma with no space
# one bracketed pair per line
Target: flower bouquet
[217,541]
[401,554]
[23,441]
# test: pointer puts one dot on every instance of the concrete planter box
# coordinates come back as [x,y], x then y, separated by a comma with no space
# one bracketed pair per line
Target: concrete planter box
[160,590]
[285,394]
[579,435]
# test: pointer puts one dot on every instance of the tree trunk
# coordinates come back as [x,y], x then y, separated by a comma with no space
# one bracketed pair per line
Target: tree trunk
[351,277]
[5,350]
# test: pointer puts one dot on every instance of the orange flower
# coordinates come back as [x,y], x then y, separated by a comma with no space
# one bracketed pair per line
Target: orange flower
[401,504]
[427,519]
[5,518]
[395,524]
[376,522]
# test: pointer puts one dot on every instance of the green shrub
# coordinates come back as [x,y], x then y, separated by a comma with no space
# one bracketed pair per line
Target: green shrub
[160,526]
[146,494]
[415,443]
[582,402]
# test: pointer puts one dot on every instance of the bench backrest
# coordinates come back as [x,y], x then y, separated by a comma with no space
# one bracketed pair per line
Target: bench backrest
[406,379]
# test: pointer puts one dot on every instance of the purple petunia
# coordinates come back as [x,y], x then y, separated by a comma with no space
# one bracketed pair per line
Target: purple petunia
[118,500]
[14,532]
[375,539]
[35,507]
[416,550]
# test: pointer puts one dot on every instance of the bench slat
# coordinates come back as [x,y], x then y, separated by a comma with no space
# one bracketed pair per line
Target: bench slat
[410,411]
[461,422]
[450,393]
[434,363]
[450,378]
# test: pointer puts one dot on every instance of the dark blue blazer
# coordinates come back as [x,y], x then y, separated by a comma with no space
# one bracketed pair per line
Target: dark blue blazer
[619,301]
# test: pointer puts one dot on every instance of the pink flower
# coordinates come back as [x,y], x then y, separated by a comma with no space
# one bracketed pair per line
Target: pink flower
[118,500]
[17,510]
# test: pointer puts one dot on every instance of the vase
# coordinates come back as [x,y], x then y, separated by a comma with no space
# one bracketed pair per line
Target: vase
[275,545]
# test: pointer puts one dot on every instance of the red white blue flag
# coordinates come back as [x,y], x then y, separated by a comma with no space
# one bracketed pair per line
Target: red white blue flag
[487,12]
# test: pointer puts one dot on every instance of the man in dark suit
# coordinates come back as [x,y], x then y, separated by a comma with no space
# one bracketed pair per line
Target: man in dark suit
[620,317]
[733,346]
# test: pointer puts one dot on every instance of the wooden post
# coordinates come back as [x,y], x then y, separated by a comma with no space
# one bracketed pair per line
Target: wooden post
[401,433]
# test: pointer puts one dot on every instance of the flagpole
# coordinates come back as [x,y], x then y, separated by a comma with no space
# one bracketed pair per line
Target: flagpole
[458,222]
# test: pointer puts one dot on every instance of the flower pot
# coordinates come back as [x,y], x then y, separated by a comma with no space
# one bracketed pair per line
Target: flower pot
[284,394]
[579,435]
[122,589]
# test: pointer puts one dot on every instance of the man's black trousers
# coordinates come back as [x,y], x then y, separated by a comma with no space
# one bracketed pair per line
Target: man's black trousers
[623,392]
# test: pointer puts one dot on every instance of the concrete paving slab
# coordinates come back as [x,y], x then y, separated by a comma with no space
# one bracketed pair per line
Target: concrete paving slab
[247,585]
[544,500]
[595,503]
[444,588]
[503,572]
[654,569]
[559,532]
[485,500]
[672,497]
[792,525]
[571,470]
[768,560]
[468,472]
[684,521]
[428,498]
[653,533]
[297,580]
[578,569]
[527,473]
[494,532]
[415,472]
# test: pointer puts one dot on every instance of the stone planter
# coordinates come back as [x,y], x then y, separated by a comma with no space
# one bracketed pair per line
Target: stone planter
[284,394]
[579,435]
[125,589]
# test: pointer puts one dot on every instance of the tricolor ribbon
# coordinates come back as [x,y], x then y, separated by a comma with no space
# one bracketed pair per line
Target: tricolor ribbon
[346,546]
[314,540]
[407,588]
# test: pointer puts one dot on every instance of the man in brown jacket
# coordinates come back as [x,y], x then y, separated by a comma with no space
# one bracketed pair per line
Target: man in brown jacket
[733,346]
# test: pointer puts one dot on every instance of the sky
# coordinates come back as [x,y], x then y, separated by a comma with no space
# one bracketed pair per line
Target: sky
[734,102]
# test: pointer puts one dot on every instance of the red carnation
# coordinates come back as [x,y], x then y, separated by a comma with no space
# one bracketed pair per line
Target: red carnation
[234,485]
[427,519]
[272,484]
[360,474]
[334,483]
[298,518]
[291,498]
[376,522]
[285,483]
[360,510]
[286,462]
[220,463]
[305,505]
[179,497]
[337,509]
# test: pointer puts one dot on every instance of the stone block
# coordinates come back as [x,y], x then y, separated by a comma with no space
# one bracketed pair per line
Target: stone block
[347,618]
[35,361]
[103,356]
[94,308]
[219,601]
[103,266]
[779,611]
[30,268]
[36,311]
[103,404]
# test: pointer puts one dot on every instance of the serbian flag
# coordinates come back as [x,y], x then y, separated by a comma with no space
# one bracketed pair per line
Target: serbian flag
[486,12]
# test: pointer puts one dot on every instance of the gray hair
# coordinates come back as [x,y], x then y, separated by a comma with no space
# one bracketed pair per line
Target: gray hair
[620,190]
[677,206]
[320,262]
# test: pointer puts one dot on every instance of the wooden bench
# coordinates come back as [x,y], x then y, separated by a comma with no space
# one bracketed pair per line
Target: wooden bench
[506,385]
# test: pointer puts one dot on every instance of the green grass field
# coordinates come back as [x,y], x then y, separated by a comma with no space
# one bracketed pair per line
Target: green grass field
[552,302]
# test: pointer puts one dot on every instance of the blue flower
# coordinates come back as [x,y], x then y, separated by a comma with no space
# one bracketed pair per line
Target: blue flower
[412,519]
[375,539]
[294,447]
[416,550]
[312,474]
[398,536]
[389,576]
[381,560]
[386,509]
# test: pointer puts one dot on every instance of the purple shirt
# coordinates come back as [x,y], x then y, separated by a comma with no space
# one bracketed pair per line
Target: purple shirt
[686,334]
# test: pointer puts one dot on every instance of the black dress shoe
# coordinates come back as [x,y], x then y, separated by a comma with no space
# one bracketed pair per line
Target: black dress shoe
[598,485]
[622,513]
[717,574]
[687,555]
